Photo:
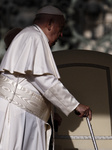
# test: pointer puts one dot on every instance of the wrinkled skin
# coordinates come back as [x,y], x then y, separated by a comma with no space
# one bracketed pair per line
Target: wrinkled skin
[83,111]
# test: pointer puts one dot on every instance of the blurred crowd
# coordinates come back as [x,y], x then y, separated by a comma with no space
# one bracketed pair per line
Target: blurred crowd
[89,22]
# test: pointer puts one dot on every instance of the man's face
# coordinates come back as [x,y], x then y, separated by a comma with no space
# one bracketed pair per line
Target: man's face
[55,33]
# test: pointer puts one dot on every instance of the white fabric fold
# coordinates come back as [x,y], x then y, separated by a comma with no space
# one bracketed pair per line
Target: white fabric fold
[29,51]
[61,98]
[54,91]
[21,130]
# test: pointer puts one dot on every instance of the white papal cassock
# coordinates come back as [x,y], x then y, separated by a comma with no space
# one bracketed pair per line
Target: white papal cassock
[29,86]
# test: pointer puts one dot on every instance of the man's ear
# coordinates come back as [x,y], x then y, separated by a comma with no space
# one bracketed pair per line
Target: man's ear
[50,24]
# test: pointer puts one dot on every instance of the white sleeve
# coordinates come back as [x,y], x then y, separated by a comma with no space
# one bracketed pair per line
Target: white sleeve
[52,89]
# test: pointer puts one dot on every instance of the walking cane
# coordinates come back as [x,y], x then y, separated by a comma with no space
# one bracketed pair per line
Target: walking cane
[92,134]
[91,131]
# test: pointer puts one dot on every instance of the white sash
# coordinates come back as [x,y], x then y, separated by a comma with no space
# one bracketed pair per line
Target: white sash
[25,98]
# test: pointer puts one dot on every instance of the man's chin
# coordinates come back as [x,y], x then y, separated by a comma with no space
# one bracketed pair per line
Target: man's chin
[52,44]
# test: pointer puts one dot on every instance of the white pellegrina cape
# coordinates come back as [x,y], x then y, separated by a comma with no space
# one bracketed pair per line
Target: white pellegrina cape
[30,63]
[33,54]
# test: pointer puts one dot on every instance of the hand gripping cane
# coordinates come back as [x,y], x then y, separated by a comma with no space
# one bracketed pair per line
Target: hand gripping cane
[92,134]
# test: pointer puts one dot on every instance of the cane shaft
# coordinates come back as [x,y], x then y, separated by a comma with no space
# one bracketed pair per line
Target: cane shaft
[92,134]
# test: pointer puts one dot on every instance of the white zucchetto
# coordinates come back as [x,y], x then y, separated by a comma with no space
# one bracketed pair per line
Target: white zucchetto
[50,10]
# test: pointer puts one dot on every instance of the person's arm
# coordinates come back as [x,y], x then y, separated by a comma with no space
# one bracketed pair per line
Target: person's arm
[52,89]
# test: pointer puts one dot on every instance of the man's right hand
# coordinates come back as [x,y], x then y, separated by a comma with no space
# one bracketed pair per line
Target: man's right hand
[83,111]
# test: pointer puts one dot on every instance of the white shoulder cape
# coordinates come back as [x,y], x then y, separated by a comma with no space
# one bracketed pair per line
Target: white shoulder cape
[30,51]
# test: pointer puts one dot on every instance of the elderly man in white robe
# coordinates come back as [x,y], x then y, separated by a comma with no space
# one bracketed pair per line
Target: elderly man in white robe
[30,86]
